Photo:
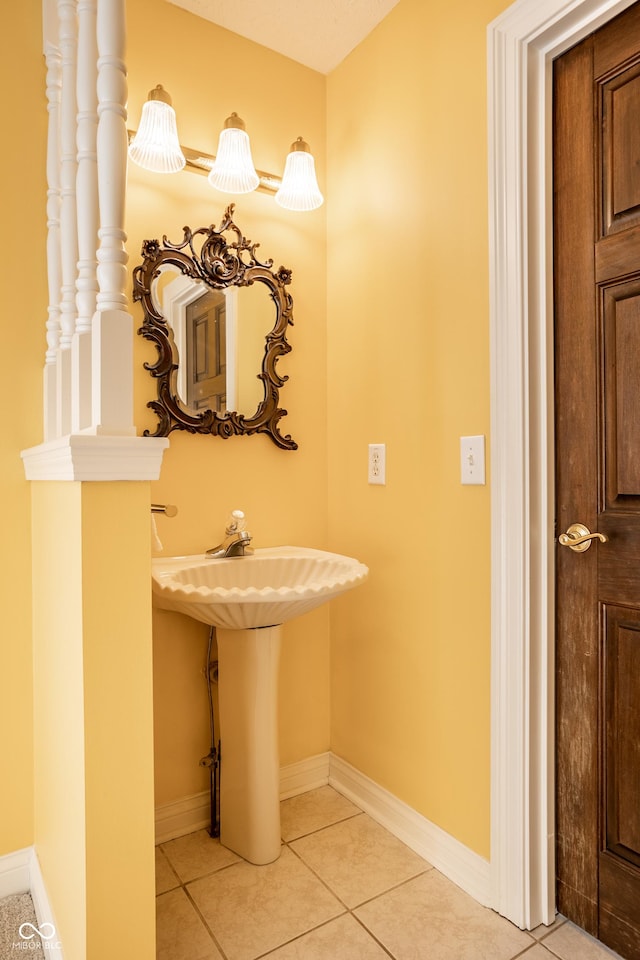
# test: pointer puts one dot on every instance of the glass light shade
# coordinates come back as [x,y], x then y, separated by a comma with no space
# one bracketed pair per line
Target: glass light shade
[233,170]
[156,146]
[299,190]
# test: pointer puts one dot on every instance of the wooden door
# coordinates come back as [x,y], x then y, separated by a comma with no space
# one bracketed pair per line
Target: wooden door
[597,357]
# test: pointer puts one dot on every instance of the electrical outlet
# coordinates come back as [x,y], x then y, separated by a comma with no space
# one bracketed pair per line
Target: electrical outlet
[377,463]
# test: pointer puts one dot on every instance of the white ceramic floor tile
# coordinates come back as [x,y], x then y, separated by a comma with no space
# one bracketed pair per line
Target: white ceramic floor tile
[341,939]
[358,859]
[429,918]
[542,931]
[180,933]
[196,855]
[251,910]
[312,811]
[166,878]
[537,952]
[571,943]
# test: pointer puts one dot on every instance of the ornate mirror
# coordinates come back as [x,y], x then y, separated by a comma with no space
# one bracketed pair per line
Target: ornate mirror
[218,317]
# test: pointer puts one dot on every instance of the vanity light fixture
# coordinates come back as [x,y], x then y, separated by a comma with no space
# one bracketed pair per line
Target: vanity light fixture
[233,170]
[299,190]
[155,147]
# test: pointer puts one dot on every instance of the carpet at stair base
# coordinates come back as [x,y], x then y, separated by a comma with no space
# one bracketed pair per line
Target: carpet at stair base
[14,942]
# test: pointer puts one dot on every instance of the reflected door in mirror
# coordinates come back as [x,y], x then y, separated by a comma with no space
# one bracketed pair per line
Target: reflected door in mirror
[206,353]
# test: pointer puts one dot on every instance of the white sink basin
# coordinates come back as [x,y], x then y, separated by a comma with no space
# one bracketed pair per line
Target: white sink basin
[237,595]
[267,588]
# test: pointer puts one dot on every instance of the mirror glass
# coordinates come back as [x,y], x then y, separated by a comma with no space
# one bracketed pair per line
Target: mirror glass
[219,318]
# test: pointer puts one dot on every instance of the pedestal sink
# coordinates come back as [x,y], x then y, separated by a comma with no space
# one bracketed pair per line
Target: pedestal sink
[247,599]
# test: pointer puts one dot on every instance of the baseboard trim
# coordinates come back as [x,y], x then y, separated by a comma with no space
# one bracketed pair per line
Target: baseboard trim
[457,862]
[193,813]
[183,816]
[309,774]
[44,913]
[461,865]
[15,870]
[20,873]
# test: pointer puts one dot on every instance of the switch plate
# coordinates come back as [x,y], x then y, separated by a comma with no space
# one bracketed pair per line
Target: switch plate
[377,463]
[472,468]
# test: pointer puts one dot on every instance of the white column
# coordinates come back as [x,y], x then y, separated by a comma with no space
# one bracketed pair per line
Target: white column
[112,329]
[68,220]
[87,203]
[54,251]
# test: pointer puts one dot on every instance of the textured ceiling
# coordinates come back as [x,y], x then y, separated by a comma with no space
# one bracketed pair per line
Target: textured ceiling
[318,33]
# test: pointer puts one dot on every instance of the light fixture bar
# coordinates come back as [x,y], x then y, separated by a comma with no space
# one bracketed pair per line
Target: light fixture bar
[199,162]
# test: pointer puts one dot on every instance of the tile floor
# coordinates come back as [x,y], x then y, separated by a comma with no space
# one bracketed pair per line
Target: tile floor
[343,889]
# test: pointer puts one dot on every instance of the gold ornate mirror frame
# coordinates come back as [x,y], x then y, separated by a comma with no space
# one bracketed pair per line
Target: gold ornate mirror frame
[205,255]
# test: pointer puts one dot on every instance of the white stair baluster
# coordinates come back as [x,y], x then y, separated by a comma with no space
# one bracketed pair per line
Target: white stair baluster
[112,332]
[87,213]
[68,220]
[54,250]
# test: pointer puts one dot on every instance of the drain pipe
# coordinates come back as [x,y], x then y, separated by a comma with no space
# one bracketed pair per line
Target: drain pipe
[212,759]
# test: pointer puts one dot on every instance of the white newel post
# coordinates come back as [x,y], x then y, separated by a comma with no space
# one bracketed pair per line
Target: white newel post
[87,202]
[90,441]
[68,219]
[112,334]
[54,249]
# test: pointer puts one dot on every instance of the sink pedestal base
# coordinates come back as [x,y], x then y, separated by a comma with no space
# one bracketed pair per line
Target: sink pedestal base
[249,764]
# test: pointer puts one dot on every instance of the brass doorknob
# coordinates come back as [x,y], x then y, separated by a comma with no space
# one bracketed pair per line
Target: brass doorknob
[578,537]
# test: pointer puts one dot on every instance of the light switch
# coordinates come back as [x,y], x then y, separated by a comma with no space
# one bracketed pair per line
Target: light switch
[472,460]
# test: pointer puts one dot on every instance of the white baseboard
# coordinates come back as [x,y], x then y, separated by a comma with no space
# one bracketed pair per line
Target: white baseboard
[461,865]
[194,813]
[15,869]
[304,775]
[44,913]
[183,816]
[458,863]
[20,873]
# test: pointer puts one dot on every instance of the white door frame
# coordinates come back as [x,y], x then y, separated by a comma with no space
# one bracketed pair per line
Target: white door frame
[521,45]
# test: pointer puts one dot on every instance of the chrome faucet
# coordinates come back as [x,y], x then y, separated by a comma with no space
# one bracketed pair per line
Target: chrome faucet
[236,539]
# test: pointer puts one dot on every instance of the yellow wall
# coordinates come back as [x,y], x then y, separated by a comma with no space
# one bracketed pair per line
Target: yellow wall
[408,364]
[209,73]
[24,312]
[93,714]
[59,705]
[118,724]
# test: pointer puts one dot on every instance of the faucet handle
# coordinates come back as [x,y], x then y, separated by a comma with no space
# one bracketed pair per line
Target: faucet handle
[236,522]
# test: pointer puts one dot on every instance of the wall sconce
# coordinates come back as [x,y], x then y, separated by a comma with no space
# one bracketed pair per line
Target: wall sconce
[155,147]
